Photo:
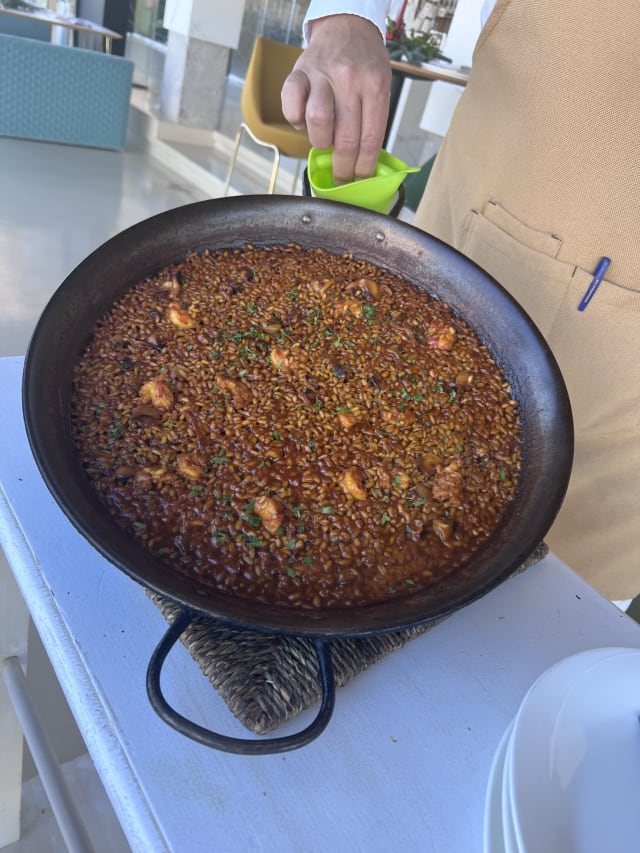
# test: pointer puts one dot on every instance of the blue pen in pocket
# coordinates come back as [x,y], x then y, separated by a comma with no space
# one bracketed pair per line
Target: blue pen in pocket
[598,275]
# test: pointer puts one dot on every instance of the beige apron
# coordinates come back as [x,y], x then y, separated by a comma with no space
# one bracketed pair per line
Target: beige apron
[538,178]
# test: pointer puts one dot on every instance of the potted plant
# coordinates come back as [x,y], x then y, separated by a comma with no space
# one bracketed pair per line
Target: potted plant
[410,45]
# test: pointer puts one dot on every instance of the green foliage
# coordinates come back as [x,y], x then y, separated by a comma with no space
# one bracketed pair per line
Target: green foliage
[412,46]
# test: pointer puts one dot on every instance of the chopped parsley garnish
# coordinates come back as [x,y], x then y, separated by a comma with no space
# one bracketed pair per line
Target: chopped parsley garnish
[253,520]
[369,312]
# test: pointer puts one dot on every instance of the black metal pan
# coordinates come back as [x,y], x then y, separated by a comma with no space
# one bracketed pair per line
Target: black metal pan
[65,327]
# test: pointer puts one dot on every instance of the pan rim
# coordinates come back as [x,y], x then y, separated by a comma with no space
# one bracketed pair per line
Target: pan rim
[239,215]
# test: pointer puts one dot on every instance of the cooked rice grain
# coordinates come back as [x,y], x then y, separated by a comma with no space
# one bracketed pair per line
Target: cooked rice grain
[296,427]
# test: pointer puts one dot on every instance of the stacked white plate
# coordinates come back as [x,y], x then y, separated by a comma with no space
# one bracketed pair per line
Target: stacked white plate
[566,775]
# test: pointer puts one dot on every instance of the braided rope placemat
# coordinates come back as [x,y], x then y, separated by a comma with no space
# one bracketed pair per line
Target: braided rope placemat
[266,680]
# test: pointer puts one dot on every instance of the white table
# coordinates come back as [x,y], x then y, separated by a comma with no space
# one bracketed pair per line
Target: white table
[403,764]
[63,26]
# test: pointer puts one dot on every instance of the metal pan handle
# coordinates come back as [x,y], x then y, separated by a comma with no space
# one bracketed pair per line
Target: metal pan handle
[239,746]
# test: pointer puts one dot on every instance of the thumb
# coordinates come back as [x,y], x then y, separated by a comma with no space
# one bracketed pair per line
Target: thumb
[294,95]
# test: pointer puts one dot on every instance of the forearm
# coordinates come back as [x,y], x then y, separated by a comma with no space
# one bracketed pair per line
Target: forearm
[375,11]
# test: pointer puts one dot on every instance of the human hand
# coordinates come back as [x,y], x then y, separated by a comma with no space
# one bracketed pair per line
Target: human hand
[339,91]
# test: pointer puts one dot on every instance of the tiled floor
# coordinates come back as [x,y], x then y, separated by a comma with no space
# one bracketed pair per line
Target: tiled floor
[40,832]
[57,204]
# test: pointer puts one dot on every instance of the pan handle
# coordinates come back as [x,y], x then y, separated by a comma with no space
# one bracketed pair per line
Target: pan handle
[239,746]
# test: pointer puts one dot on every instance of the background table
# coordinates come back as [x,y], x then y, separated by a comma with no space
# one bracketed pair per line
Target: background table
[403,764]
[80,25]
[401,71]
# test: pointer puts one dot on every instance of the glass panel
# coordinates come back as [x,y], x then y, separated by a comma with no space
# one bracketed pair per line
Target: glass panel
[148,20]
[280,20]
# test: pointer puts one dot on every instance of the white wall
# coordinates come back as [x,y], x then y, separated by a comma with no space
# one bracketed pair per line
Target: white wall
[214,21]
[458,46]
[464,31]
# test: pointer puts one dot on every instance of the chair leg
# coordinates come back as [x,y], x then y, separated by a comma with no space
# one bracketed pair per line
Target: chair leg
[276,160]
[274,170]
[274,148]
[232,162]
[296,177]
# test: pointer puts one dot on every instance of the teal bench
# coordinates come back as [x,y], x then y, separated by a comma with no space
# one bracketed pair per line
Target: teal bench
[14,26]
[63,94]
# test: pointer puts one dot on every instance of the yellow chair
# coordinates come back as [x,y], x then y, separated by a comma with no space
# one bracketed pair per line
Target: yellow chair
[270,63]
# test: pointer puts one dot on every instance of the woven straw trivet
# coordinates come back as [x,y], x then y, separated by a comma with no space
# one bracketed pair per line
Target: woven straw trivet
[266,680]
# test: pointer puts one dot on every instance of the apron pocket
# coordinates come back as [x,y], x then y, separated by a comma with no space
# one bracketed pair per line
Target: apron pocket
[598,349]
[520,258]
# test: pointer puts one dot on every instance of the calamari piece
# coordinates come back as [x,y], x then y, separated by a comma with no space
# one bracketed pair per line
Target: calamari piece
[447,485]
[240,392]
[157,393]
[441,336]
[171,287]
[348,306]
[270,512]
[443,528]
[280,358]
[179,317]
[189,467]
[429,463]
[348,420]
[353,484]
